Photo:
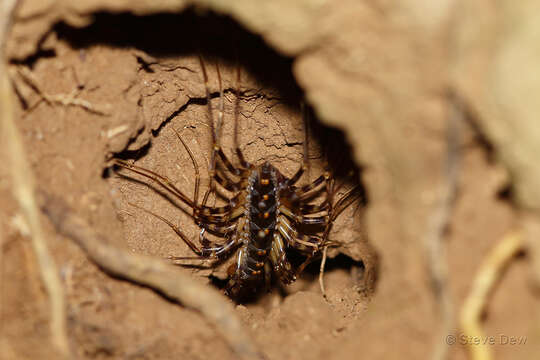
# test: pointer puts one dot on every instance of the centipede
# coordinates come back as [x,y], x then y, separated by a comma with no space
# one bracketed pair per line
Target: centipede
[266,216]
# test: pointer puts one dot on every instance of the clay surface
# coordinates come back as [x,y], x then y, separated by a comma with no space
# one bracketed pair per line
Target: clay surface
[96,80]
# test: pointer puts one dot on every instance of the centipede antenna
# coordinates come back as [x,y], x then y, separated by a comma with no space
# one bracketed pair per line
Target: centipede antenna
[305,156]
[221,108]
[236,104]
[210,116]
[195,165]
[243,163]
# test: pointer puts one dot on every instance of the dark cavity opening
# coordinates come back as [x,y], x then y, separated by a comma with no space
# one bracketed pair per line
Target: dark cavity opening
[217,37]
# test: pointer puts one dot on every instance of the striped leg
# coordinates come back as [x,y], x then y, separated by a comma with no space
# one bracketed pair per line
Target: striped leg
[220,210]
[211,250]
[315,208]
[279,260]
[303,243]
[226,183]
[302,219]
[346,200]
[221,219]
[306,191]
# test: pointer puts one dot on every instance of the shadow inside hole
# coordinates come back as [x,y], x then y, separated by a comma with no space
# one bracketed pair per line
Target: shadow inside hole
[506,193]
[134,154]
[338,154]
[189,33]
[213,36]
[341,262]
[355,269]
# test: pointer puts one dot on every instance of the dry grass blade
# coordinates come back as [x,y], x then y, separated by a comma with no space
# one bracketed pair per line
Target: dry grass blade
[23,188]
[154,273]
[487,276]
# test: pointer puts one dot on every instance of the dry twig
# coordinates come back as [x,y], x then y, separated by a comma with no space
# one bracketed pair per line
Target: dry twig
[57,99]
[23,187]
[487,276]
[154,273]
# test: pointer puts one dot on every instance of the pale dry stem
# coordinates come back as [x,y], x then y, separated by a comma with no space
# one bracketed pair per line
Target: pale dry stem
[438,222]
[490,272]
[154,273]
[321,272]
[23,188]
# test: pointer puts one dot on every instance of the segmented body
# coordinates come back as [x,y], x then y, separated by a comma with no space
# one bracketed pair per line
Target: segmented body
[260,238]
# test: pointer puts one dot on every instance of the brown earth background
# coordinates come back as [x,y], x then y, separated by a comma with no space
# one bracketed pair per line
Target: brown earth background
[438,101]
